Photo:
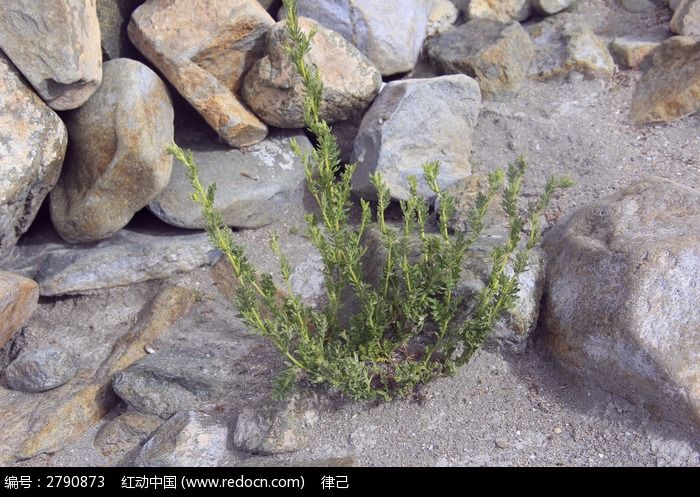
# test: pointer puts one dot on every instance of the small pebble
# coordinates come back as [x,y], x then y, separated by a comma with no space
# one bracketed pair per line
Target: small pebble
[557,431]
[502,443]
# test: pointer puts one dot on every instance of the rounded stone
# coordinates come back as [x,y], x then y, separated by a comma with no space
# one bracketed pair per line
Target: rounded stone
[40,370]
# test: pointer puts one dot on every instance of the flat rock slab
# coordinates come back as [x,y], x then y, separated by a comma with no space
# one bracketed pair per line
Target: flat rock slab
[128,257]
[204,48]
[33,142]
[18,300]
[56,46]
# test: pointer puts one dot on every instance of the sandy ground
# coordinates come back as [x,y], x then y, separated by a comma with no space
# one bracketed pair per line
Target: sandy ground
[506,407]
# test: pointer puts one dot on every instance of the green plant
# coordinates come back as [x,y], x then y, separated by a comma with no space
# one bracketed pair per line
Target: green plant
[402,331]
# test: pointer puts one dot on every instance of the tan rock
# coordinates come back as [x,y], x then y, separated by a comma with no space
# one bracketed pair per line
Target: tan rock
[629,52]
[686,19]
[275,91]
[155,319]
[670,87]
[118,159]
[60,424]
[18,300]
[497,55]
[499,10]
[204,48]
[443,15]
[566,43]
[56,46]
[32,147]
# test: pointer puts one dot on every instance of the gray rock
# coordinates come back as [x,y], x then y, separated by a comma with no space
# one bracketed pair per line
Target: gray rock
[496,55]
[255,185]
[40,370]
[128,257]
[125,433]
[390,37]
[204,49]
[32,146]
[548,7]
[638,6]
[674,4]
[413,122]
[566,43]
[277,427]
[56,46]
[275,91]
[165,383]
[622,293]
[686,19]
[113,16]
[187,439]
[118,159]
[502,10]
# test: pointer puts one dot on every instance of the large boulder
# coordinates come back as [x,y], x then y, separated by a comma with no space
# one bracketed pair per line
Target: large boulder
[497,55]
[670,86]
[621,305]
[32,147]
[416,121]
[204,49]
[118,159]
[56,46]
[391,37]
[275,91]
[256,185]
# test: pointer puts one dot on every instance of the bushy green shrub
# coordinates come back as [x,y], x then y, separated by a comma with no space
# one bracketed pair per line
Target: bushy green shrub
[402,331]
